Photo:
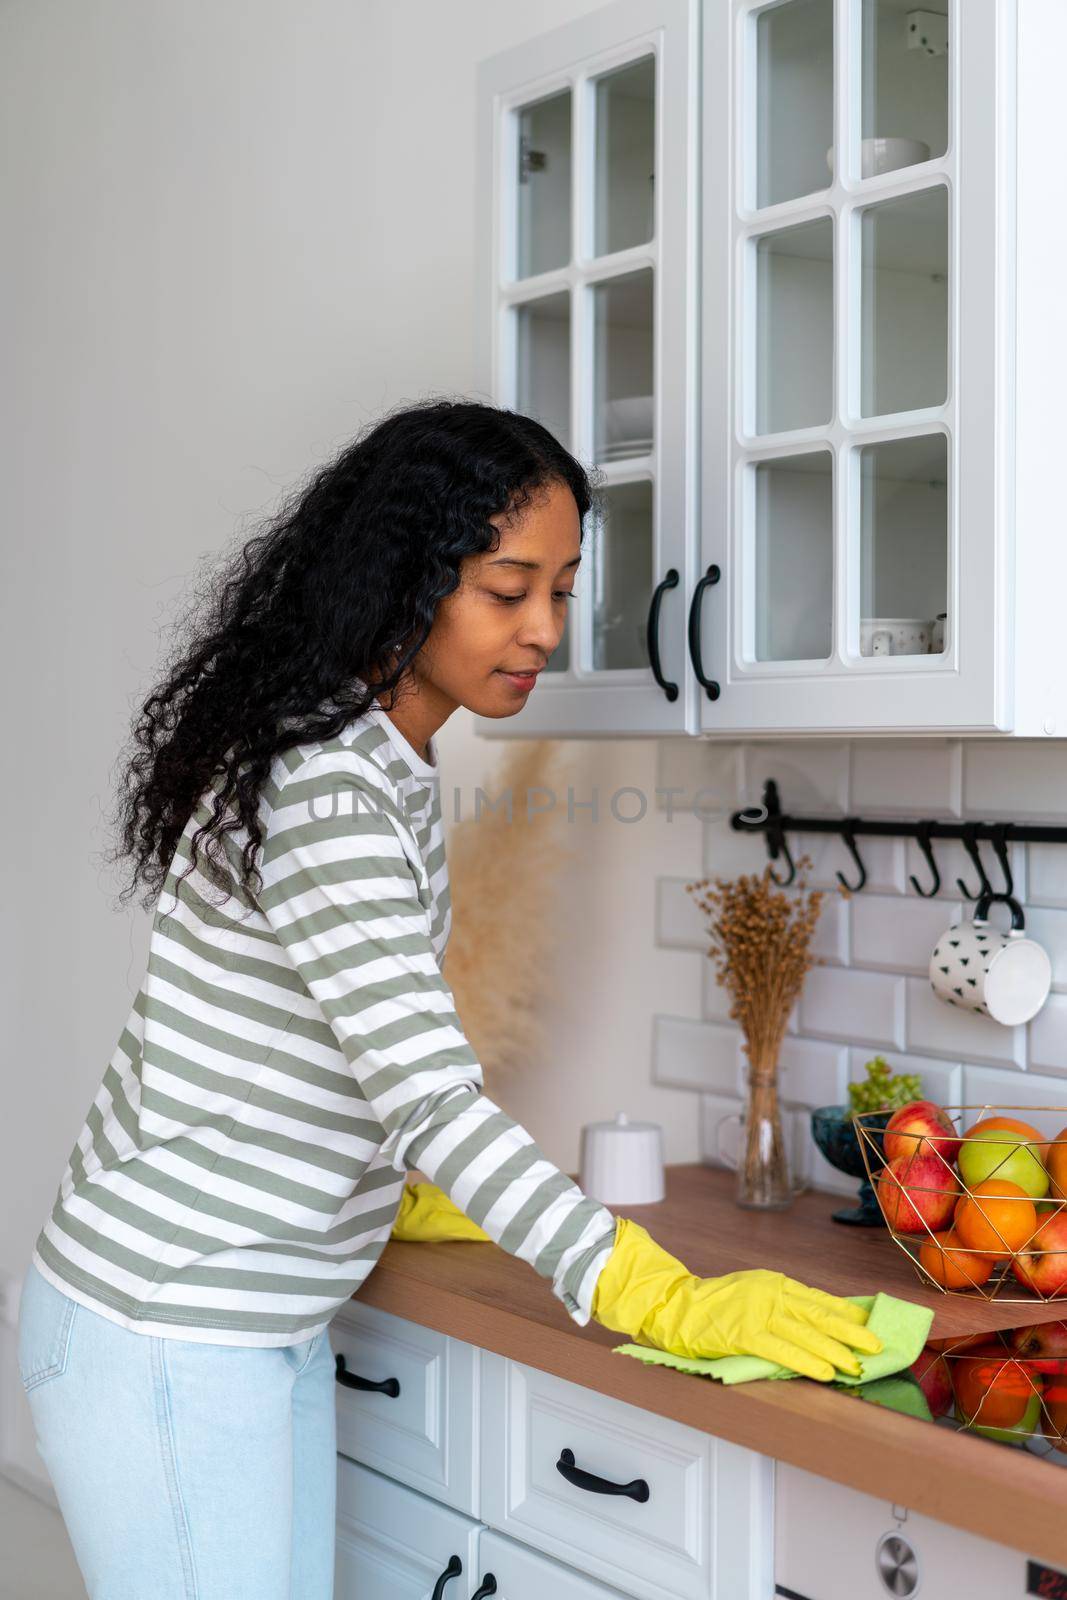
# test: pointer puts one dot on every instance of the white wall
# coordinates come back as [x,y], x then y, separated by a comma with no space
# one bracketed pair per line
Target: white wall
[235,231]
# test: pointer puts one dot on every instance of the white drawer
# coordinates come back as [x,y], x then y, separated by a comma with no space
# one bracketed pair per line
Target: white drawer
[703,1531]
[392,1544]
[522,1574]
[424,1435]
[828,1540]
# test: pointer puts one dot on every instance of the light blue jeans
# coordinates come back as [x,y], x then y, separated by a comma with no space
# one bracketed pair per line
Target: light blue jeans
[184,1471]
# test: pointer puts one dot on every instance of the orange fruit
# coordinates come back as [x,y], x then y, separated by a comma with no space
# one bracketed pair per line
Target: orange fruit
[951,1266]
[1056,1162]
[1012,1125]
[991,1389]
[996,1217]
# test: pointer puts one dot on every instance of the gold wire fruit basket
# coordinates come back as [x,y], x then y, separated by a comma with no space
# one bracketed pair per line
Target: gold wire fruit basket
[1009,1386]
[975,1196]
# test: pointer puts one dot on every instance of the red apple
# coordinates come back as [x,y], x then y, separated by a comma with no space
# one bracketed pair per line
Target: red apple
[917,1193]
[1042,1346]
[1042,1266]
[920,1128]
[932,1375]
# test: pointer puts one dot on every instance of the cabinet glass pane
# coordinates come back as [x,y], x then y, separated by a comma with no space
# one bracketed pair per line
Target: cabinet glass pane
[905,303]
[543,363]
[904,537]
[622,366]
[622,577]
[625,150]
[794,550]
[795,327]
[794,99]
[905,83]
[543,186]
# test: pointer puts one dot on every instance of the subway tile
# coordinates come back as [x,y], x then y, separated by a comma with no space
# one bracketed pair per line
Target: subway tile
[704,773]
[853,1005]
[812,775]
[680,924]
[812,1072]
[1048,1036]
[1025,778]
[727,853]
[936,1028]
[1028,1092]
[897,934]
[830,940]
[942,1081]
[1046,874]
[1049,928]
[687,1054]
[715,997]
[910,778]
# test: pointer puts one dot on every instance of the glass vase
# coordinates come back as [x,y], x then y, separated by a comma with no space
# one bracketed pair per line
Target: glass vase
[764,1180]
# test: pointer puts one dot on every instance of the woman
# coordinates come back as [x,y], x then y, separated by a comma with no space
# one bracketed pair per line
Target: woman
[293,1050]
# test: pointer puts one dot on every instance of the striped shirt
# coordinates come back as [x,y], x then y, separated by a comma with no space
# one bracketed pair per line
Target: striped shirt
[288,1058]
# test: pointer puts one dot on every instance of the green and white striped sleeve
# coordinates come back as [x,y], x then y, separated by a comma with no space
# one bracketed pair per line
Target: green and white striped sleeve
[344,891]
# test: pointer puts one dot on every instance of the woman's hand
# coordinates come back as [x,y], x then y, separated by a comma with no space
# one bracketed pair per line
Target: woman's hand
[646,1292]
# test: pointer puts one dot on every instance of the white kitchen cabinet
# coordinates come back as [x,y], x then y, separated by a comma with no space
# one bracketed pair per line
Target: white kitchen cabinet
[881,332]
[394,1544]
[418,1421]
[875,1549]
[587,139]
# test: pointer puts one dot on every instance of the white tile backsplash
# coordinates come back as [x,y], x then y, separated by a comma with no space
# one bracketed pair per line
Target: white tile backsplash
[870,993]
[894,777]
[851,1005]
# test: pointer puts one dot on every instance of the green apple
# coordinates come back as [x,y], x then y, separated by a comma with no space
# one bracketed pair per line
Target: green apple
[990,1155]
[1022,1429]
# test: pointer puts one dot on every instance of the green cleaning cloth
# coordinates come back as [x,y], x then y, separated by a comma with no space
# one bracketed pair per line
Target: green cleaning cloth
[901,1325]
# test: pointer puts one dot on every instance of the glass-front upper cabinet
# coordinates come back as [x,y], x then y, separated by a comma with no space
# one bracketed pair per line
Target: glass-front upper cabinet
[587,255]
[852,304]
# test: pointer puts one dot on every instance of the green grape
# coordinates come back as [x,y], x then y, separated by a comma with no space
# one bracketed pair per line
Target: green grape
[882,1090]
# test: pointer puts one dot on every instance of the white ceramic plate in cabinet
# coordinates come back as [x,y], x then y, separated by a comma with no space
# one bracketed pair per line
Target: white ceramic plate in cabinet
[522,1574]
[694,1524]
[394,1544]
[420,1425]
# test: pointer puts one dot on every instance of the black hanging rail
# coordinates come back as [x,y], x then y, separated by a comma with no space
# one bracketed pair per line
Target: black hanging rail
[770,820]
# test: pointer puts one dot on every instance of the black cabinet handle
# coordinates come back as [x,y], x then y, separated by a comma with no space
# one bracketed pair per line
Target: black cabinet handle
[487,1586]
[710,577]
[453,1570]
[669,582]
[637,1490]
[352,1380]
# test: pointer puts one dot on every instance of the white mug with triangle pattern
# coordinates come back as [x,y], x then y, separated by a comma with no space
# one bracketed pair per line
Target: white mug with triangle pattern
[1006,976]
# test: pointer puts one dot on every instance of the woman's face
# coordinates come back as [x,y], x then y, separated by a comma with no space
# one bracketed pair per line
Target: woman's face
[508,613]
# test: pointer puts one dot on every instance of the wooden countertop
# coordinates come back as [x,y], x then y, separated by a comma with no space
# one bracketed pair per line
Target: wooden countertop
[479,1293]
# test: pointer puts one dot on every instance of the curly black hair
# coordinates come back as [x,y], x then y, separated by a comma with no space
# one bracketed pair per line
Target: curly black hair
[281,645]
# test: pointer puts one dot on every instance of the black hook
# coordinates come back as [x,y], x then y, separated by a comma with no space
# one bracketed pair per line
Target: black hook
[922,834]
[970,842]
[1000,846]
[849,837]
[777,846]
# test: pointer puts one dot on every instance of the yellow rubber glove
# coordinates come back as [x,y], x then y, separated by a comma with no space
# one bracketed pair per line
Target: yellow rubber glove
[426,1213]
[644,1291]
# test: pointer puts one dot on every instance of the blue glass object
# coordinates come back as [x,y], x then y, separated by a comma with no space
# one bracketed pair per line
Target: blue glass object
[835,1134]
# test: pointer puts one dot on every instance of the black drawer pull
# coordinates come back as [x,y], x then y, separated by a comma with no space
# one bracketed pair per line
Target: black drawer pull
[710,577]
[352,1380]
[652,633]
[453,1570]
[637,1490]
[487,1586]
